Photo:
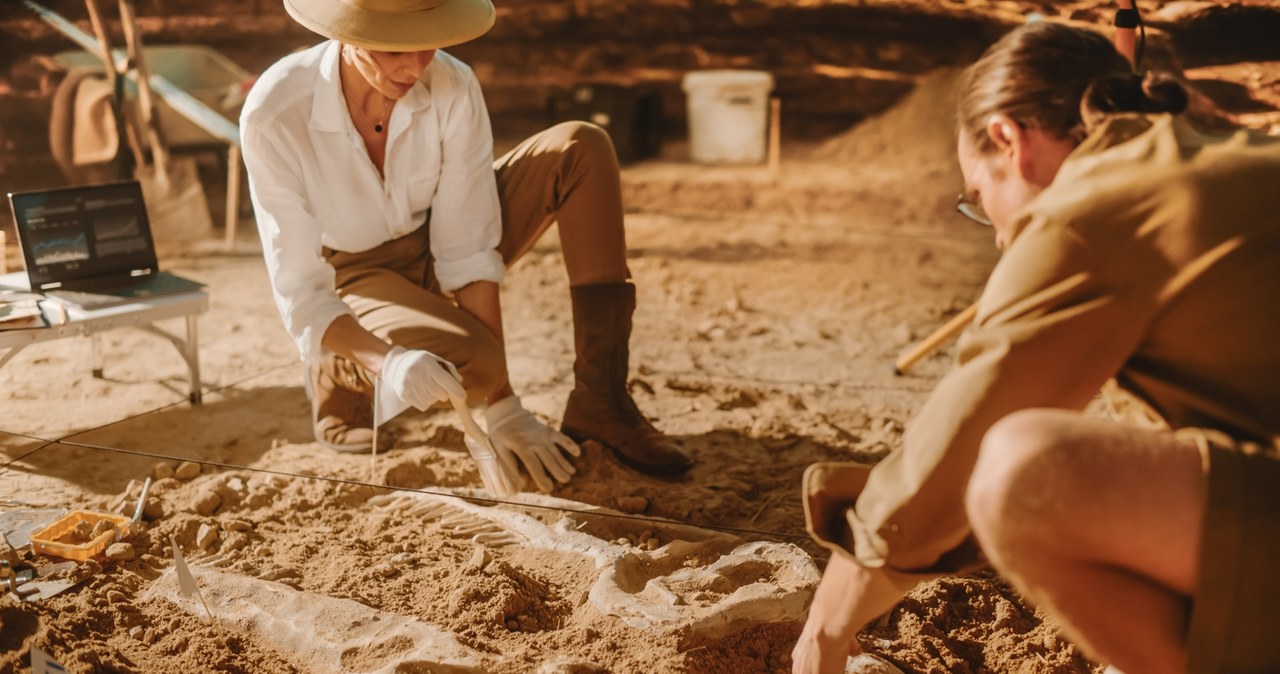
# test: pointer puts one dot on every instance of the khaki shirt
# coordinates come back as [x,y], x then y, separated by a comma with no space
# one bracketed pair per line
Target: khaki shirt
[1154,258]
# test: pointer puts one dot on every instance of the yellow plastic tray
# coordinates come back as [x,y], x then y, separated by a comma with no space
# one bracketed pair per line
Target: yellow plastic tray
[47,540]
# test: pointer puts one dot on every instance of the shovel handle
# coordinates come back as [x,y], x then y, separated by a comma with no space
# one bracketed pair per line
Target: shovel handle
[133,43]
[932,342]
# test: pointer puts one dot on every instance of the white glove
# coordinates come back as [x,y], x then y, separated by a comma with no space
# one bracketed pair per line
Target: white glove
[419,378]
[515,432]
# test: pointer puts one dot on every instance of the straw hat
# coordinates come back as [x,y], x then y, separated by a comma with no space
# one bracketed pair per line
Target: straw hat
[395,25]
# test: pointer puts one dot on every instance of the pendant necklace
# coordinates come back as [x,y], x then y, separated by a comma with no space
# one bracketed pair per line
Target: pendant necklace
[377,128]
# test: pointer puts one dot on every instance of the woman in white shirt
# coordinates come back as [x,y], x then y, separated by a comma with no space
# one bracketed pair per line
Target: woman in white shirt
[387,226]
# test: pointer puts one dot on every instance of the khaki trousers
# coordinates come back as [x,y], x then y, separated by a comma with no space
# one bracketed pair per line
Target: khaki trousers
[567,174]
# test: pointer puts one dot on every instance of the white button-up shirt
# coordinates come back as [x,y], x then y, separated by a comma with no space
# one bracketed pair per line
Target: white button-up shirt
[313,184]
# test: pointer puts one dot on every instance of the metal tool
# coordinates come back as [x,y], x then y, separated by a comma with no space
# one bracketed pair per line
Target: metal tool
[20,582]
[137,512]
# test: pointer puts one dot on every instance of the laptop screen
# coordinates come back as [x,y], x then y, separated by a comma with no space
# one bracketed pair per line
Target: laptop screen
[80,233]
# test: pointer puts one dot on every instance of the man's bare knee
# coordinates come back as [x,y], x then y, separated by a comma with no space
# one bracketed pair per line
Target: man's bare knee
[1012,474]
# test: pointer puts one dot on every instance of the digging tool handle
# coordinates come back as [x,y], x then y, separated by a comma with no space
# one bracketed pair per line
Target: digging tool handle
[133,40]
[932,342]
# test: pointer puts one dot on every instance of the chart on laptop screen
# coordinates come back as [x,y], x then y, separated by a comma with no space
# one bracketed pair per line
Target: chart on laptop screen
[82,232]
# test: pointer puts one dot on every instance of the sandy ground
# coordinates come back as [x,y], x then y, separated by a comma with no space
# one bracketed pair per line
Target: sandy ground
[770,311]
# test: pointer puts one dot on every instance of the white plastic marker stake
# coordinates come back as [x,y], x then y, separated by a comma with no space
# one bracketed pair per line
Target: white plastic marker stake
[187,582]
[493,473]
[377,421]
[41,663]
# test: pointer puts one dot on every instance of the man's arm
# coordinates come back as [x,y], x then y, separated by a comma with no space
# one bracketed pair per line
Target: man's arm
[849,596]
[347,338]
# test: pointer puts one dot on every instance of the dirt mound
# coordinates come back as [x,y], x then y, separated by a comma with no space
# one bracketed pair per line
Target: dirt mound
[916,136]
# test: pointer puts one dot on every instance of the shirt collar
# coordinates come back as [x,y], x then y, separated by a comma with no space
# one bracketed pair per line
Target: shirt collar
[329,110]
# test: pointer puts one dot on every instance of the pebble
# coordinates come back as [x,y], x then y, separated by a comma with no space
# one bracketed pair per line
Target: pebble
[479,558]
[153,509]
[259,498]
[633,505]
[102,527]
[116,597]
[162,470]
[121,552]
[83,530]
[187,470]
[208,502]
[386,570]
[651,544]
[238,525]
[136,632]
[206,536]
[513,625]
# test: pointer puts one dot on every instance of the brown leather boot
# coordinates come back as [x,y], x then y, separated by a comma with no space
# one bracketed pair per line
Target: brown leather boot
[342,407]
[600,407]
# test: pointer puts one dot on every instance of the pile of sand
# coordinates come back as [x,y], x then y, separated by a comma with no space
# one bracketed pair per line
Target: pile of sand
[915,139]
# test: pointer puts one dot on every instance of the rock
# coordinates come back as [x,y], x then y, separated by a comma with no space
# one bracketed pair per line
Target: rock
[102,527]
[206,537]
[116,597]
[207,502]
[633,505]
[163,470]
[238,525]
[153,509]
[259,498]
[83,530]
[187,470]
[869,664]
[559,664]
[386,569]
[136,632]
[121,552]
[479,558]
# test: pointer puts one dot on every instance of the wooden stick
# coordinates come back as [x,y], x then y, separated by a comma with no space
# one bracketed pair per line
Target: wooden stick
[775,137]
[932,342]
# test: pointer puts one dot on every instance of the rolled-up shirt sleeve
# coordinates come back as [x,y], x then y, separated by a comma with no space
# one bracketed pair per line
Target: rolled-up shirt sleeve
[466,218]
[1051,329]
[301,280]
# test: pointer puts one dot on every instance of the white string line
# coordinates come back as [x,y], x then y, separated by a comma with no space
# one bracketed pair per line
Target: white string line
[211,389]
[739,531]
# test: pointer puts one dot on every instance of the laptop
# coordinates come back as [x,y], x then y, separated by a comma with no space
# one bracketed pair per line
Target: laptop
[91,246]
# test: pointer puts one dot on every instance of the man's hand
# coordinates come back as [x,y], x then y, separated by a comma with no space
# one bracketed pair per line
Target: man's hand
[420,378]
[848,597]
[515,432]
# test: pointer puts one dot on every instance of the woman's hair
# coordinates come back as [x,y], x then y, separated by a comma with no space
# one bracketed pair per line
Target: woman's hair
[1059,78]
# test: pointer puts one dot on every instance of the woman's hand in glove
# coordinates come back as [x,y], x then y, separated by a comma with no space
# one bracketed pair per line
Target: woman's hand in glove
[515,432]
[421,378]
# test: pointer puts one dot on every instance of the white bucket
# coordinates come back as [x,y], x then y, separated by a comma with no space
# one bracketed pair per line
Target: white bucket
[728,115]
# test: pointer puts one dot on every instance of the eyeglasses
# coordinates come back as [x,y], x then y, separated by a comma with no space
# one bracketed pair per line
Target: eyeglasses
[972,210]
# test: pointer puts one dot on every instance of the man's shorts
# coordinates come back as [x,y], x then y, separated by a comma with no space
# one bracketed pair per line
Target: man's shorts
[1235,619]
